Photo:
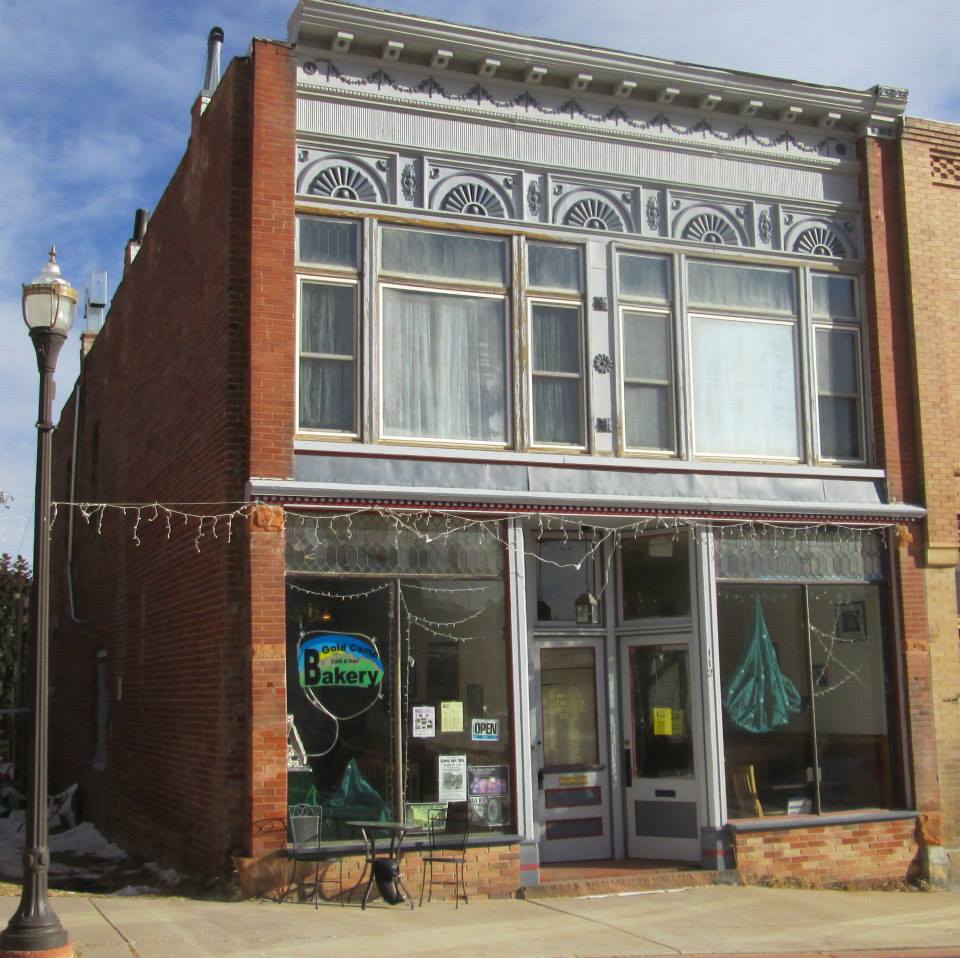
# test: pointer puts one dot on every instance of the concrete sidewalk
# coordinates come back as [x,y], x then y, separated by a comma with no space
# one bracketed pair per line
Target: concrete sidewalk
[715,920]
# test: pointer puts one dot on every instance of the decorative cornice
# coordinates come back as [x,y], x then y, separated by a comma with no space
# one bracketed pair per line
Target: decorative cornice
[323,71]
[629,77]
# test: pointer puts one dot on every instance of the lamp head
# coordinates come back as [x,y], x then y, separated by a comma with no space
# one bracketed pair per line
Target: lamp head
[49,301]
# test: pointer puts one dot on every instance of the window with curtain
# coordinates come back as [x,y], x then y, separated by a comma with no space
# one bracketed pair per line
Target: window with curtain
[556,343]
[329,261]
[837,368]
[444,357]
[744,361]
[557,373]
[646,323]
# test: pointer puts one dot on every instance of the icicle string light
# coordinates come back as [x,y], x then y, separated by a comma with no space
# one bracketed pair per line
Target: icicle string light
[203,524]
[435,527]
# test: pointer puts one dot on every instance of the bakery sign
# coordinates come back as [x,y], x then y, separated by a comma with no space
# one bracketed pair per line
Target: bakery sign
[334,660]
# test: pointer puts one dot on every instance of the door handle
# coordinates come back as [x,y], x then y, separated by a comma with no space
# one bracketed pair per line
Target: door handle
[627,767]
[540,779]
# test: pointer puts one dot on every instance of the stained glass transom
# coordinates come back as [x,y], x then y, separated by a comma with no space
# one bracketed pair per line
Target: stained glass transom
[374,545]
[820,555]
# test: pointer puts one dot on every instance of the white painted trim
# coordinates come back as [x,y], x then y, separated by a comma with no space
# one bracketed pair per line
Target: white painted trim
[523,743]
[716,812]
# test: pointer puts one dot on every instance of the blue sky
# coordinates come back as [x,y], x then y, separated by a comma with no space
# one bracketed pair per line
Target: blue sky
[96,99]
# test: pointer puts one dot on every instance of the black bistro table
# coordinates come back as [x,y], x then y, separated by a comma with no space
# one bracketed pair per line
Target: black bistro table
[396,832]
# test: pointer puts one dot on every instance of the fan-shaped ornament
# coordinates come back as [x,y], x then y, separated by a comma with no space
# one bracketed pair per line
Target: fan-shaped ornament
[343,183]
[819,241]
[593,215]
[710,228]
[473,199]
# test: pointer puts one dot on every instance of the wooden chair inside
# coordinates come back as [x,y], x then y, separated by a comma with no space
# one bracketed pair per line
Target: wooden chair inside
[743,778]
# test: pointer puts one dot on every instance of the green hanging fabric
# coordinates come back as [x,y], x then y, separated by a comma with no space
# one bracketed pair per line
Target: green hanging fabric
[759,697]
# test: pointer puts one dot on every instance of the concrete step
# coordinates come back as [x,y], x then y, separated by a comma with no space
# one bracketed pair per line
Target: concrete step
[632,880]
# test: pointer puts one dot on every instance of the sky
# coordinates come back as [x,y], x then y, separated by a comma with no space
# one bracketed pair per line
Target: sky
[96,102]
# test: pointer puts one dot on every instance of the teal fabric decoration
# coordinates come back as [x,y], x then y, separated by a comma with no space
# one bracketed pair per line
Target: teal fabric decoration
[759,697]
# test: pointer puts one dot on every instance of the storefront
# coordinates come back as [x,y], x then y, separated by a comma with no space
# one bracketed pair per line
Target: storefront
[605,689]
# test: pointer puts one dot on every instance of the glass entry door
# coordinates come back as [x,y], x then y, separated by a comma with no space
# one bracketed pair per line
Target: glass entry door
[661,749]
[572,801]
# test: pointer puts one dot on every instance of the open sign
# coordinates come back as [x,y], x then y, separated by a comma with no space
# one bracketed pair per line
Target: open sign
[485,730]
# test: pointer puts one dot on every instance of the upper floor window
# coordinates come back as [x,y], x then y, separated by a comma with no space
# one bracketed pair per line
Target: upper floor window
[458,345]
[443,325]
[743,330]
[555,284]
[328,328]
[646,335]
[837,367]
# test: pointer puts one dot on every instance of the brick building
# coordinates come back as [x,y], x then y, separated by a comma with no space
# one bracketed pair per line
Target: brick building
[931,176]
[562,399]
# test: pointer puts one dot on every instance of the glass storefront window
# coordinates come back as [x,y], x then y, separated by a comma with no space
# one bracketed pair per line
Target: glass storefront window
[806,699]
[847,642]
[363,648]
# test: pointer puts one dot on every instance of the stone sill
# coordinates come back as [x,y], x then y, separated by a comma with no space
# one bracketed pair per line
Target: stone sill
[785,823]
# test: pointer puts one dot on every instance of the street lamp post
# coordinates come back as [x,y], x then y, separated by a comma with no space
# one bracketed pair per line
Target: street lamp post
[49,308]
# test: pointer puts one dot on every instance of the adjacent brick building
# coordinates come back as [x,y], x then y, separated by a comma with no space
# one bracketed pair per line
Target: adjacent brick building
[931,202]
[556,405]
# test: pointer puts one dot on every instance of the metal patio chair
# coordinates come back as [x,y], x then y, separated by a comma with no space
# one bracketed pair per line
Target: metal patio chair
[306,826]
[449,831]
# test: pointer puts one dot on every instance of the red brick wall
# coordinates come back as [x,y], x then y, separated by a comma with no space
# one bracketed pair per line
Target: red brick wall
[490,872]
[273,355]
[861,854]
[893,384]
[272,410]
[168,392]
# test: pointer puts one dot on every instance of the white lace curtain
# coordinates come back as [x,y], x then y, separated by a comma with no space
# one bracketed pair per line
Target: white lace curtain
[444,366]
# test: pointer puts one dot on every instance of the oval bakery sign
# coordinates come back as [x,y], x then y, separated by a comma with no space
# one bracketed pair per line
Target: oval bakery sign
[329,660]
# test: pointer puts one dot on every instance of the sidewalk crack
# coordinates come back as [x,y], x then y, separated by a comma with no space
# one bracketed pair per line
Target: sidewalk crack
[604,924]
[127,941]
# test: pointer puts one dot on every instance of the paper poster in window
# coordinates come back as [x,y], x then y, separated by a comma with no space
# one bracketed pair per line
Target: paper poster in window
[424,721]
[663,721]
[451,716]
[452,778]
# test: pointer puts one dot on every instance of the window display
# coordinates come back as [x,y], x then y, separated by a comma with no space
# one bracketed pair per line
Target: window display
[806,698]
[365,649]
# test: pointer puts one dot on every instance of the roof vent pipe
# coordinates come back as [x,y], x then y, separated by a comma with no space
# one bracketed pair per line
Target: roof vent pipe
[140,220]
[211,76]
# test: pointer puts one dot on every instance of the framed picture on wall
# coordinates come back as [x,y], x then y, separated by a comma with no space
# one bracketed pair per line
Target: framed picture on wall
[851,622]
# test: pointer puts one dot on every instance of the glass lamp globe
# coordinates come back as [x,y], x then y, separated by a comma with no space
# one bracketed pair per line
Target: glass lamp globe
[49,301]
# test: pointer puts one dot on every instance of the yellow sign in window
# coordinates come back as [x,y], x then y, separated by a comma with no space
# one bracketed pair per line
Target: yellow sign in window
[662,721]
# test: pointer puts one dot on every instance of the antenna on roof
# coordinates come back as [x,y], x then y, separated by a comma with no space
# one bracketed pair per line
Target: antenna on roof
[211,76]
